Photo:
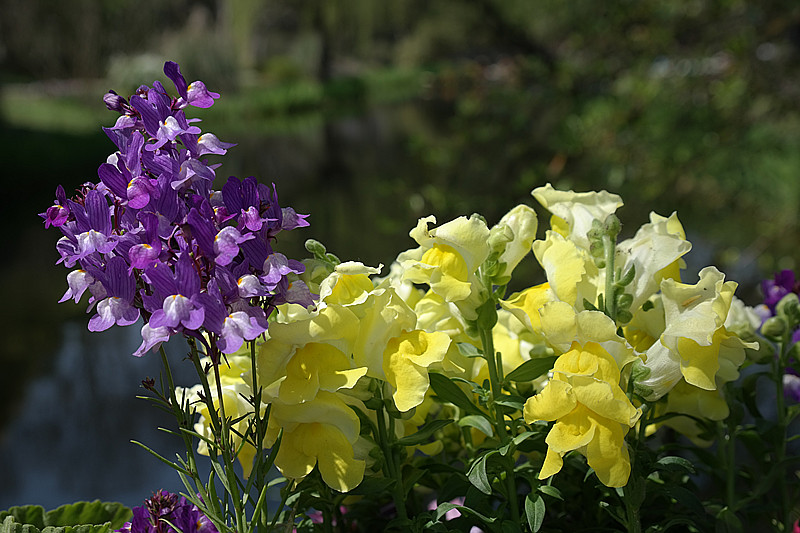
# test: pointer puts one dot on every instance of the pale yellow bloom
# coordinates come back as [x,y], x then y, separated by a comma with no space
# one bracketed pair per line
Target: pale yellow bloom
[516,232]
[405,363]
[320,432]
[690,400]
[348,283]
[591,413]
[695,344]
[655,252]
[573,212]
[448,258]
[525,305]
[571,272]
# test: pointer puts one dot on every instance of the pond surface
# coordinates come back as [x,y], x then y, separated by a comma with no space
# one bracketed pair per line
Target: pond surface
[68,397]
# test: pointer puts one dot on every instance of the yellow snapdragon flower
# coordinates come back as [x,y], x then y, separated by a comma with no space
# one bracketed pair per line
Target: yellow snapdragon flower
[591,413]
[319,432]
[448,258]
[695,344]
[405,363]
[573,212]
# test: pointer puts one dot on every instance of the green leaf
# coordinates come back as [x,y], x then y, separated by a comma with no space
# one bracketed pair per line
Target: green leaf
[626,280]
[675,464]
[469,350]
[532,369]
[372,486]
[447,506]
[551,491]
[478,422]
[83,513]
[447,391]
[478,475]
[424,433]
[27,514]
[728,522]
[534,511]
[514,402]
[487,315]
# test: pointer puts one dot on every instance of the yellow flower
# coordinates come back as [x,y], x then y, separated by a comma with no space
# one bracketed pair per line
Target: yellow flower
[695,344]
[348,283]
[320,432]
[591,413]
[311,354]
[515,233]
[573,212]
[655,252]
[315,367]
[405,363]
[690,400]
[571,272]
[525,305]
[448,258]
[382,316]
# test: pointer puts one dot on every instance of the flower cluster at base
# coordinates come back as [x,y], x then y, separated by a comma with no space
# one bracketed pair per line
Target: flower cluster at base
[153,240]
[164,513]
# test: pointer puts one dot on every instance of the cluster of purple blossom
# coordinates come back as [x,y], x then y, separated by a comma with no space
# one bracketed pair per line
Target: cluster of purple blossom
[167,513]
[774,290]
[152,239]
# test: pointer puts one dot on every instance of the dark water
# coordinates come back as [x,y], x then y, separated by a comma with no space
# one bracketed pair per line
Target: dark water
[67,397]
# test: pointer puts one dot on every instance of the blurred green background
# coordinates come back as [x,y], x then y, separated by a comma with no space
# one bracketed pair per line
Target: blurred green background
[370,114]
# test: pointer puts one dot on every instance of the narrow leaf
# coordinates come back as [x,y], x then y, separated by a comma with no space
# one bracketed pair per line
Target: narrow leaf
[478,422]
[531,369]
[447,391]
[424,433]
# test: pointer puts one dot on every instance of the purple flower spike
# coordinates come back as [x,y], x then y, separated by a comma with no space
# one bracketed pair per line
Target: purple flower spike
[152,238]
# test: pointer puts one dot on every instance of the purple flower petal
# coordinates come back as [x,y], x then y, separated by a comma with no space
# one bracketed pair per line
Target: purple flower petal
[151,339]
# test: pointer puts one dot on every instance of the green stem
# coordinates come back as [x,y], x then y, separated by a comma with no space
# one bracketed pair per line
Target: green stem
[779,367]
[390,465]
[728,440]
[494,362]
[229,455]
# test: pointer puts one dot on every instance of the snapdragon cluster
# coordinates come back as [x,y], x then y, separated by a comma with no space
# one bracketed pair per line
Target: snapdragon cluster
[153,240]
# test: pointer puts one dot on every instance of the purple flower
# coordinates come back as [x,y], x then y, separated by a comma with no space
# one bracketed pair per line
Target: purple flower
[164,512]
[117,307]
[774,289]
[791,386]
[151,239]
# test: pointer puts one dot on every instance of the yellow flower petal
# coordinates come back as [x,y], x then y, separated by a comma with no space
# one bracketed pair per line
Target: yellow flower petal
[552,464]
[555,401]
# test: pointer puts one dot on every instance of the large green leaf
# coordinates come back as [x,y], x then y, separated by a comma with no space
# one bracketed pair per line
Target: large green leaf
[79,517]
[83,513]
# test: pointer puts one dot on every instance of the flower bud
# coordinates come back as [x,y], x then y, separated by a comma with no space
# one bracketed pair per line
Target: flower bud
[774,327]
[789,309]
